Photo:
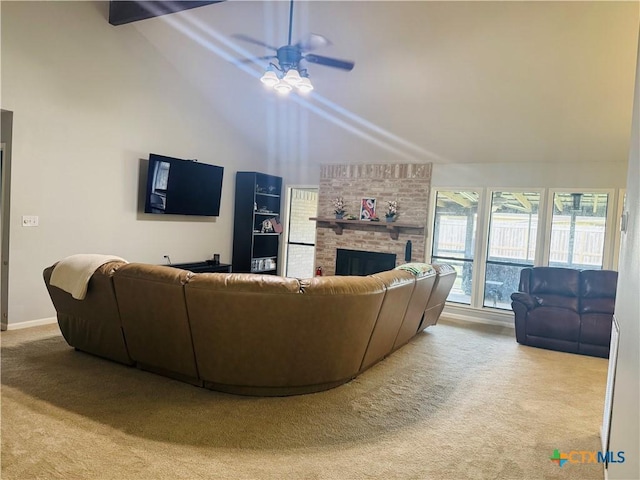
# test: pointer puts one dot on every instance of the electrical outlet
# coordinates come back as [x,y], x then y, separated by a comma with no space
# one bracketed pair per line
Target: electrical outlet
[30,220]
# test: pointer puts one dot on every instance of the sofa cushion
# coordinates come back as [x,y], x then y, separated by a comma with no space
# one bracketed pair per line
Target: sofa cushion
[560,323]
[399,286]
[596,329]
[93,324]
[557,301]
[598,283]
[598,291]
[446,276]
[554,281]
[154,318]
[416,308]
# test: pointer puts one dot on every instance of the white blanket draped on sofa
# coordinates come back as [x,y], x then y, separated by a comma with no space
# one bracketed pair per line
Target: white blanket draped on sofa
[72,274]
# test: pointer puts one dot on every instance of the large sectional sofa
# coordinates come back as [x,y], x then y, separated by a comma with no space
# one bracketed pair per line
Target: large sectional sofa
[250,334]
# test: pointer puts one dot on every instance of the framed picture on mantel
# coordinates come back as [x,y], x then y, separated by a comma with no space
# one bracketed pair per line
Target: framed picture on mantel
[367,208]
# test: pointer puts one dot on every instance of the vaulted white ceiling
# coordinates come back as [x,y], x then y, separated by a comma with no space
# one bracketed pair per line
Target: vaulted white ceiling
[461,82]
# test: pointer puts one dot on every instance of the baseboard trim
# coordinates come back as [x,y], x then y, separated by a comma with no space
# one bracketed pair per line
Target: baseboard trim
[32,323]
[468,315]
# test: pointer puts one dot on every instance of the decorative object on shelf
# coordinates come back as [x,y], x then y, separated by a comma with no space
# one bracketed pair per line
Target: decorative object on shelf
[277,226]
[287,72]
[338,207]
[352,217]
[392,210]
[367,208]
[267,226]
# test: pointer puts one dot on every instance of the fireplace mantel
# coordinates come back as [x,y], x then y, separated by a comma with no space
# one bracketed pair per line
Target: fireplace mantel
[394,228]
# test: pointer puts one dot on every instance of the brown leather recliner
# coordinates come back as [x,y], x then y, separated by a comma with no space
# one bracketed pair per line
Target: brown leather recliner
[417,305]
[565,309]
[93,324]
[155,320]
[446,276]
[399,286]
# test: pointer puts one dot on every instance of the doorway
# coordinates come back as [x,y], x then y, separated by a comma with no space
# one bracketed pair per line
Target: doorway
[6,129]
[300,237]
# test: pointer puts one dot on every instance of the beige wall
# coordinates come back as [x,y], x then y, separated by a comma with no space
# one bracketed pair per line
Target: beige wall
[625,419]
[604,174]
[90,100]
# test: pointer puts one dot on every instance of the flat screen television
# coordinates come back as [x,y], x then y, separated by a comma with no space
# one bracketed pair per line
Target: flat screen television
[182,187]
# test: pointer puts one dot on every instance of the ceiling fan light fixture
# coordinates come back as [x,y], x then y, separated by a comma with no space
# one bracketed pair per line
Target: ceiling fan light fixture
[292,77]
[282,87]
[270,79]
[287,70]
[305,85]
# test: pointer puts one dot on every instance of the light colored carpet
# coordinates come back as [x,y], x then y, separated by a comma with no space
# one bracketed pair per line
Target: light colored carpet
[458,402]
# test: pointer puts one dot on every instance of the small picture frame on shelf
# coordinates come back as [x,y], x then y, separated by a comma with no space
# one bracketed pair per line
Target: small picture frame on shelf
[367,208]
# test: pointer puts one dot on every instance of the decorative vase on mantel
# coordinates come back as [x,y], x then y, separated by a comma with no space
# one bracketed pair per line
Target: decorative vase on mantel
[390,219]
[339,215]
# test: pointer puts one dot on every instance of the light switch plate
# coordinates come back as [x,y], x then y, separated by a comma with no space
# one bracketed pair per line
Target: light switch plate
[30,220]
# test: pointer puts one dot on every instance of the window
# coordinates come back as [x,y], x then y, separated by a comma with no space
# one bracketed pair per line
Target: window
[454,235]
[578,230]
[490,235]
[513,227]
[301,232]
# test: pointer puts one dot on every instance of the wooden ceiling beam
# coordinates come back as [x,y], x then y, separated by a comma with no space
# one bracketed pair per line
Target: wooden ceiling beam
[457,198]
[121,12]
[524,201]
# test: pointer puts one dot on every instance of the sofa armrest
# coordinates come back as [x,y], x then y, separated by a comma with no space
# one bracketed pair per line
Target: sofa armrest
[528,300]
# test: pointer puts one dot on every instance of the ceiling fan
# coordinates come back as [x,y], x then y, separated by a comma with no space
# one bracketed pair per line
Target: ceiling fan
[287,72]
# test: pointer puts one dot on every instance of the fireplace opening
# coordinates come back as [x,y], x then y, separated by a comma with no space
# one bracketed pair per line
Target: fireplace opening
[360,262]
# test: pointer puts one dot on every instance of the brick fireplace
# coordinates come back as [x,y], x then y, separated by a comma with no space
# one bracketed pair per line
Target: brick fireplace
[409,184]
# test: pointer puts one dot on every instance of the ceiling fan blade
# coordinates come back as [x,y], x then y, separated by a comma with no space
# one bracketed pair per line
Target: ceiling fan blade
[254,59]
[246,38]
[312,42]
[329,62]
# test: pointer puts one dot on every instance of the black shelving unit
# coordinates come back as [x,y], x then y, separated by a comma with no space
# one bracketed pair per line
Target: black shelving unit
[256,249]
